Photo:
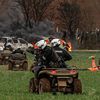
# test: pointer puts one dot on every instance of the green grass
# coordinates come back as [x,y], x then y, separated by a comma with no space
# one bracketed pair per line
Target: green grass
[14,84]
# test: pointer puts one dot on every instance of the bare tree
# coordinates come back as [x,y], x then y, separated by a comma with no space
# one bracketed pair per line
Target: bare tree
[69,14]
[87,22]
[39,8]
[34,10]
[25,7]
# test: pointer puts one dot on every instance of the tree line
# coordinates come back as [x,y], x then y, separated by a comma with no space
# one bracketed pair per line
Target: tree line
[45,17]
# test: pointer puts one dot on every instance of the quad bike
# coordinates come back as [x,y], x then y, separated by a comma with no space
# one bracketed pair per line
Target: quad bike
[57,80]
[4,56]
[17,61]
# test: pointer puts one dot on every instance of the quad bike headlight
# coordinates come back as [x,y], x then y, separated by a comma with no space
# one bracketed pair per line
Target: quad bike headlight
[70,80]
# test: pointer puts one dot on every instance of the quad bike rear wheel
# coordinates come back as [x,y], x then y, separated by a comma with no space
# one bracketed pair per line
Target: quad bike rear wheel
[0,62]
[32,87]
[44,85]
[25,66]
[77,88]
[10,66]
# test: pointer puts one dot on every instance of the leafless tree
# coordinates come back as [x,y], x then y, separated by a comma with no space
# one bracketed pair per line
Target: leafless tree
[25,7]
[39,8]
[69,14]
[34,10]
[87,22]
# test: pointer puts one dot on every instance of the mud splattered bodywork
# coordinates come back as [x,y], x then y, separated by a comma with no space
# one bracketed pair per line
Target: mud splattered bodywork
[58,80]
[17,61]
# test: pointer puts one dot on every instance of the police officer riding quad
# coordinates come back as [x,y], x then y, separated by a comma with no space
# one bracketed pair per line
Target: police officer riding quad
[48,79]
[57,80]
[18,61]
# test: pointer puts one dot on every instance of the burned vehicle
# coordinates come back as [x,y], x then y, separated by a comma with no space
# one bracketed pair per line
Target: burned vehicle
[15,42]
[57,80]
[18,61]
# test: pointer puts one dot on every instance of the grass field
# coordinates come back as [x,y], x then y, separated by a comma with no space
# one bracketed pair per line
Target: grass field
[14,84]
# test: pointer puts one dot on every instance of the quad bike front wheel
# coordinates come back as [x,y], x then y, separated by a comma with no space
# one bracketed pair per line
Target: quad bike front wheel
[10,66]
[32,87]
[77,88]
[25,66]
[44,85]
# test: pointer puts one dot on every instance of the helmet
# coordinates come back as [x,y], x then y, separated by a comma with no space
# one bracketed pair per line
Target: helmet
[40,44]
[55,42]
